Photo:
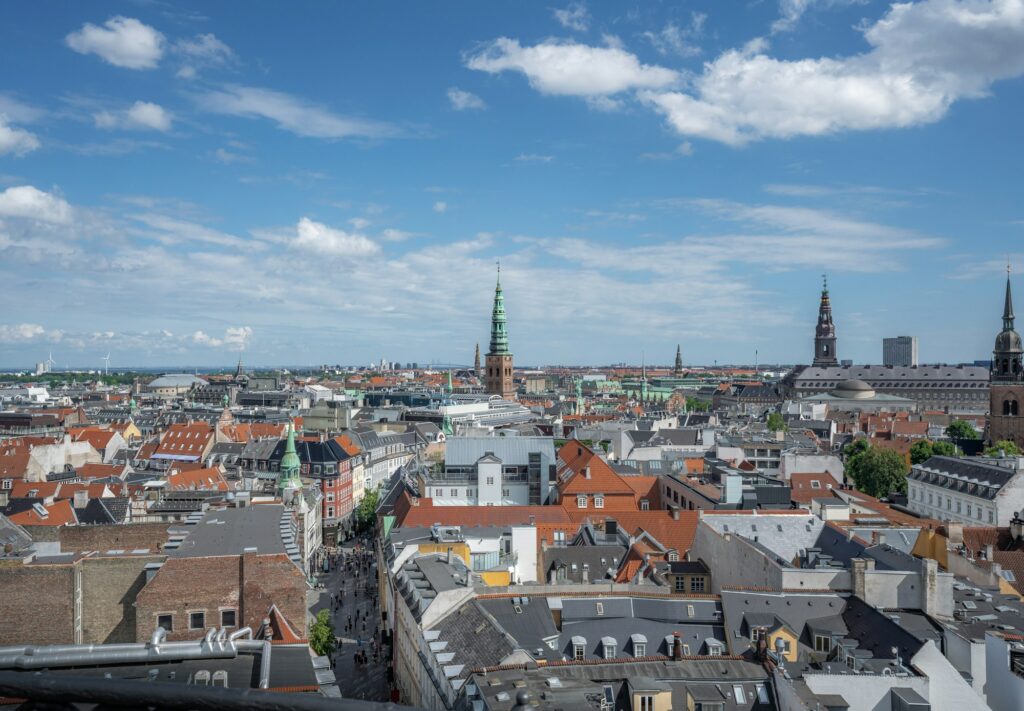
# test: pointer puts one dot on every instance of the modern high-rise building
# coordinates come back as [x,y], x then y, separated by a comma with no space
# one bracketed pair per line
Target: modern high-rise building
[901,350]
[498,378]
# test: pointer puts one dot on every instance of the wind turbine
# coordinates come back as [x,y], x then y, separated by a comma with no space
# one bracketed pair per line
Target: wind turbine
[106,364]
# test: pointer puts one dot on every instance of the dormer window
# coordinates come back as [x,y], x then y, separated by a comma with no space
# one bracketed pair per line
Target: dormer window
[598,501]
[579,648]
[581,501]
[609,647]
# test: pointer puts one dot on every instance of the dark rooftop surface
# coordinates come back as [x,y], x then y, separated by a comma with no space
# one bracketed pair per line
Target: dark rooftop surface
[231,531]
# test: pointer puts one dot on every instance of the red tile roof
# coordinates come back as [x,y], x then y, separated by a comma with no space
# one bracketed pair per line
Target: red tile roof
[804,489]
[576,460]
[196,480]
[99,471]
[59,513]
[423,513]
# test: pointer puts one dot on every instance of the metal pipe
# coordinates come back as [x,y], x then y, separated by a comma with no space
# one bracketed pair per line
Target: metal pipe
[238,634]
[210,636]
[265,665]
[96,654]
[159,635]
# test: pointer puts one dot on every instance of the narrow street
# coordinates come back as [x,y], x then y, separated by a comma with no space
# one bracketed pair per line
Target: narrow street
[355,622]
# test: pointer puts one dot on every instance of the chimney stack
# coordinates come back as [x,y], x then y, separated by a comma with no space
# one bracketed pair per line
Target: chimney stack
[81,498]
[677,646]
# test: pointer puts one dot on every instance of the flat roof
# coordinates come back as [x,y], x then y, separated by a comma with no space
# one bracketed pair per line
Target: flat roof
[231,531]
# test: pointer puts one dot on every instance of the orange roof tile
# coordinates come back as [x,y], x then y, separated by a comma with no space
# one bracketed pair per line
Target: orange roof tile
[59,513]
[576,461]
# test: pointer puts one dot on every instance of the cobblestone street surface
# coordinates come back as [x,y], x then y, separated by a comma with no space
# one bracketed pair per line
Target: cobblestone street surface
[353,583]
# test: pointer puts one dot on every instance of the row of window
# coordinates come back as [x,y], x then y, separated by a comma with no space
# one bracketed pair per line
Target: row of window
[581,501]
[197,619]
[963,508]
[697,584]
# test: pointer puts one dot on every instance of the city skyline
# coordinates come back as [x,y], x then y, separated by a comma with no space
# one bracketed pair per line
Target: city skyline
[180,184]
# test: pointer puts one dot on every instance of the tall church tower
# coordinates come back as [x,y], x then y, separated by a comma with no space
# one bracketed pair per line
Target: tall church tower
[498,378]
[1006,388]
[677,369]
[825,332]
[476,362]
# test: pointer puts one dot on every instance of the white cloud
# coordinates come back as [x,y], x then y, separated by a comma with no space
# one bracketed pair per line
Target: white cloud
[122,41]
[393,235]
[227,157]
[27,202]
[290,113]
[142,115]
[683,149]
[360,223]
[174,231]
[681,41]
[790,11]
[235,338]
[572,69]
[204,50]
[534,158]
[574,17]
[923,57]
[16,140]
[440,206]
[464,100]
[17,111]
[27,333]
[319,238]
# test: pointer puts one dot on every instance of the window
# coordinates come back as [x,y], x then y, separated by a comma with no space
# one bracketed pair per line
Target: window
[737,691]
[686,650]
[968,509]
[639,649]
[645,505]
[581,502]
[756,634]
[949,504]
[330,512]
[600,606]
[227,618]
[165,621]
[991,516]
[690,612]
[197,620]
[559,537]
[330,497]
[680,584]
[578,652]
[815,484]
[507,493]
[646,703]
[453,492]
[958,505]
[822,643]
[609,651]
[979,513]
[438,492]
[490,481]
[598,501]
[697,584]
[8,483]
[673,556]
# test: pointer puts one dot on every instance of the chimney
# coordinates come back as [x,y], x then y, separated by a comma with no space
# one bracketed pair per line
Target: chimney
[1016,527]
[586,472]
[955,533]
[989,551]
[930,587]
[858,566]
[677,646]
[675,513]
[448,558]
[81,498]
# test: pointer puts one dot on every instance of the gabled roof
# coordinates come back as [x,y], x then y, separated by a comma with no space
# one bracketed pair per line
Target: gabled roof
[422,512]
[59,513]
[576,461]
[99,471]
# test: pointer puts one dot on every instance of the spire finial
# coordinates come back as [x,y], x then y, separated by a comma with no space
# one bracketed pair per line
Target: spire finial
[498,262]
[824,282]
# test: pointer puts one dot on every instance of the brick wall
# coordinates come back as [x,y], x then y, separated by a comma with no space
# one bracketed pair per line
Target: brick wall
[109,589]
[37,603]
[128,537]
[249,584]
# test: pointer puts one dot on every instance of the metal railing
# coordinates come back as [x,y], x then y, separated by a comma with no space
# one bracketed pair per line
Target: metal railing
[58,692]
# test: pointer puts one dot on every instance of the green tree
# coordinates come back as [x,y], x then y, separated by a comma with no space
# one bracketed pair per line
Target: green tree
[776,423]
[945,449]
[961,429]
[856,447]
[921,451]
[1003,446]
[321,635]
[366,512]
[877,472]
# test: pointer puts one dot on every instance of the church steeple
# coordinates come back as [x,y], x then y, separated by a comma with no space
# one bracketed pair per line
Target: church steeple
[678,369]
[1008,352]
[289,480]
[499,334]
[498,376]
[825,331]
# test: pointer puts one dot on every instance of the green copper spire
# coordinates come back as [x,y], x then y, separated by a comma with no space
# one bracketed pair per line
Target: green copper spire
[499,336]
[450,382]
[290,465]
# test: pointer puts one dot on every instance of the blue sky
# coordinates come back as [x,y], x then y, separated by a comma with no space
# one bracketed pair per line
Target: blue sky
[334,182]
